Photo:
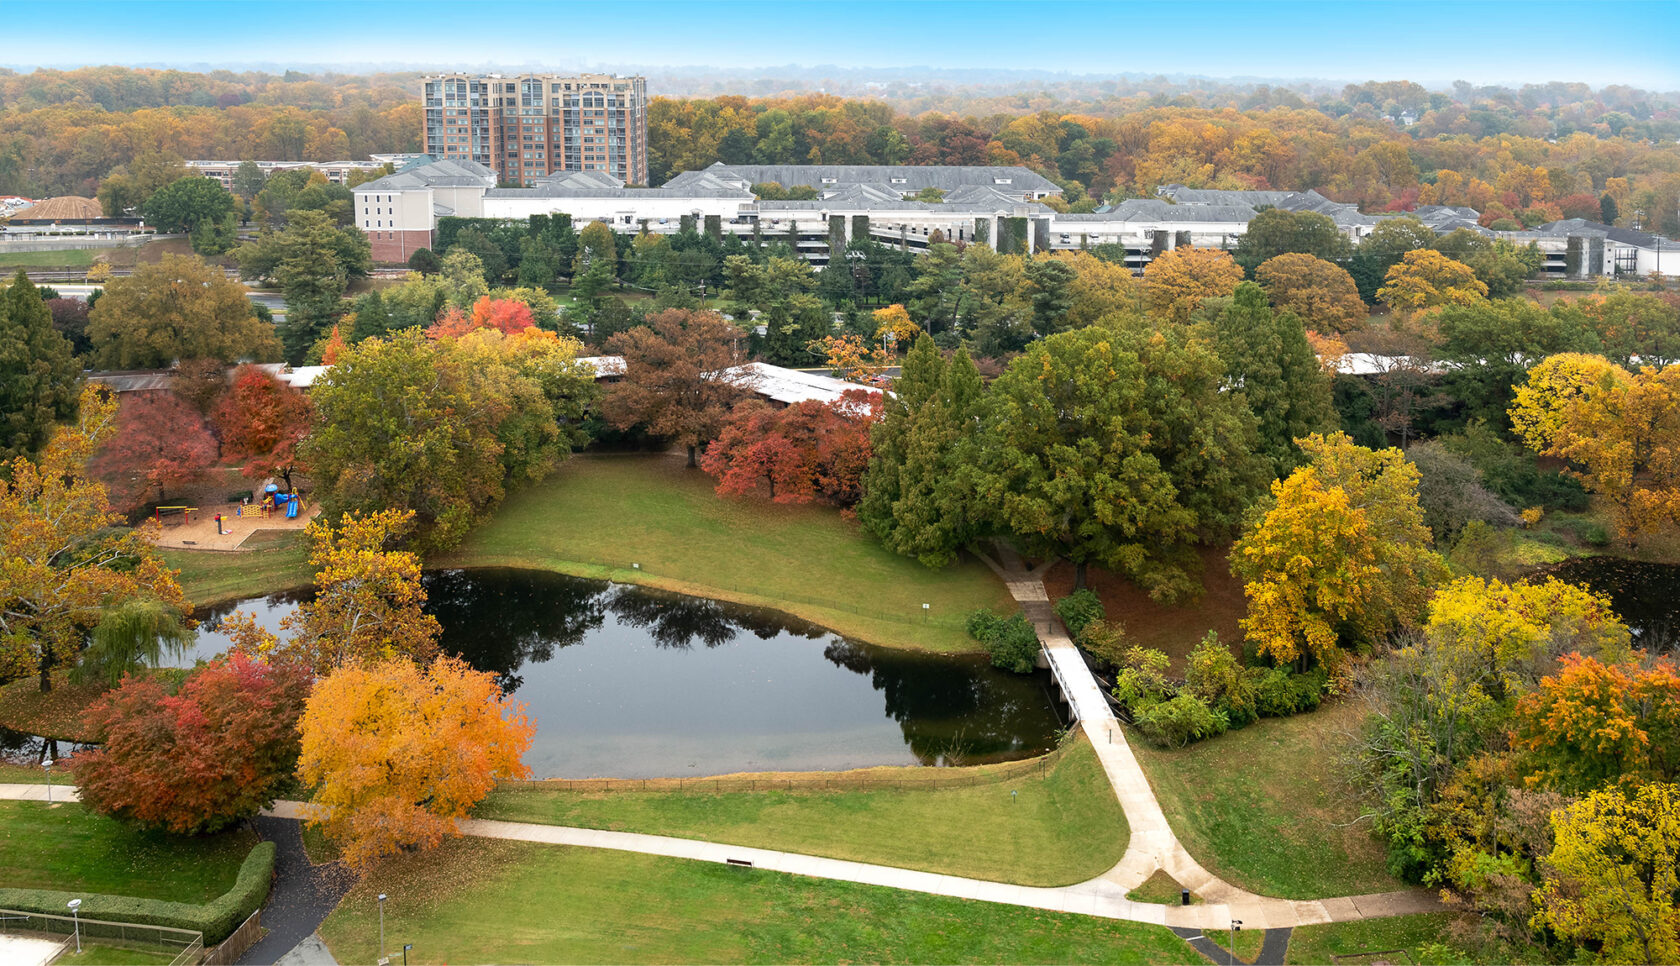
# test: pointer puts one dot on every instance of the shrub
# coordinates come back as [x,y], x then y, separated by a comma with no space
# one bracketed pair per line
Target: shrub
[1106,640]
[1177,722]
[1279,693]
[1011,641]
[216,919]
[1214,676]
[1141,682]
[1078,610]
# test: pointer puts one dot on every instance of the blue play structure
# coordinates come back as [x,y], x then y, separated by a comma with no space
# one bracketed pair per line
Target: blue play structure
[287,501]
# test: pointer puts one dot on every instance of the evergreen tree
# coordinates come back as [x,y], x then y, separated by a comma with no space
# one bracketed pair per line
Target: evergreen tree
[37,371]
[372,318]
[918,381]
[1269,361]
[935,515]
[1608,210]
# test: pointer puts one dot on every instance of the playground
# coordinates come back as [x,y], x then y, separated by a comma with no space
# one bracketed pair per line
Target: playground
[226,526]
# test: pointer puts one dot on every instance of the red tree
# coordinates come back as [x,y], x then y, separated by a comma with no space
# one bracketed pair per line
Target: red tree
[200,760]
[261,421]
[808,451]
[161,444]
[1580,206]
[504,315]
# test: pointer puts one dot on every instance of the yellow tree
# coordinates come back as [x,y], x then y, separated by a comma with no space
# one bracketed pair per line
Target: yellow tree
[1503,637]
[1322,293]
[848,358]
[1620,430]
[1425,278]
[1614,874]
[1099,288]
[396,753]
[368,600]
[894,328]
[64,560]
[1176,282]
[1342,554]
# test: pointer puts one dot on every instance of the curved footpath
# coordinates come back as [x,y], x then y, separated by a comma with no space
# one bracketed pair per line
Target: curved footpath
[1152,844]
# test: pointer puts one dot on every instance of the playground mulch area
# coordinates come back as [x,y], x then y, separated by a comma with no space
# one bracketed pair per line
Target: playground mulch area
[199,531]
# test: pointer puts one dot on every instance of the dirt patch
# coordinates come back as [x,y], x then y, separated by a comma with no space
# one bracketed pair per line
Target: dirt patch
[1175,630]
[53,714]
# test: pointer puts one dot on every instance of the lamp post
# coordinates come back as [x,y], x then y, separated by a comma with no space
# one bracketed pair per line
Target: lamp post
[406,948]
[382,927]
[76,918]
[47,764]
[1231,953]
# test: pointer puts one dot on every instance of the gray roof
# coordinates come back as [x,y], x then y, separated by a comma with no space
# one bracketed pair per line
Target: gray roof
[1154,209]
[449,173]
[915,177]
[1213,196]
[585,184]
[1627,236]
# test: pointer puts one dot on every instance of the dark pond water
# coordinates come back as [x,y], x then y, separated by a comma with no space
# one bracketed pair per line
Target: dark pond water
[1646,595]
[625,682]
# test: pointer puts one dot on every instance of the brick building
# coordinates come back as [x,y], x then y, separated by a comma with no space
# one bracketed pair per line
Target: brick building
[528,126]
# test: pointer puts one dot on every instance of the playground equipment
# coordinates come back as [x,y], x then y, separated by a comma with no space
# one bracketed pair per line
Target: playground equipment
[186,513]
[274,501]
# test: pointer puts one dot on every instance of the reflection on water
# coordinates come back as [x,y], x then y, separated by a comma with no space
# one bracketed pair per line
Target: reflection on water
[1646,595]
[626,682]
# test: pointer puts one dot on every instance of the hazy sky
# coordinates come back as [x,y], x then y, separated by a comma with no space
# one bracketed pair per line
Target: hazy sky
[1595,41]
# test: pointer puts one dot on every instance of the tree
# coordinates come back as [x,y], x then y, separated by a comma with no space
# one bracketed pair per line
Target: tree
[848,357]
[894,328]
[188,203]
[1269,361]
[488,253]
[1176,282]
[424,261]
[1608,212]
[369,603]
[1321,293]
[507,316]
[37,372]
[178,308]
[312,260]
[1050,288]
[1634,328]
[1596,723]
[1500,265]
[1099,289]
[1425,279]
[248,180]
[1383,248]
[1341,554]
[1115,447]
[1274,231]
[682,375]
[62,559]
[808,451]
[195,762]
[439,427]
[70,320]
[1618,428]
[395,753]
[1613,875]
[261,421]
[779,290]
[1451,493]
[161,445]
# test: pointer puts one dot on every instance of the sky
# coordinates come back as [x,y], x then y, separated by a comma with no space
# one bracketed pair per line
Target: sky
[1598,42]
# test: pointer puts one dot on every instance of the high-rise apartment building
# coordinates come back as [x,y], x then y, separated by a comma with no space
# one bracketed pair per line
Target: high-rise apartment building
[529,126]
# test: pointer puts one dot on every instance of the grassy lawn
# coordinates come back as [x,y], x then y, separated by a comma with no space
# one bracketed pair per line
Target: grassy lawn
[278,560]
[1248,941]
[73,850]
[54,714]
[92,955]
[1161,889]
[479,900]
[1423,937]
[65,258]
[600,515]
[1063,828]
[1262,807]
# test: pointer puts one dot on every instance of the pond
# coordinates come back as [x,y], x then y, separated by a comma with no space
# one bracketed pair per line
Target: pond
[630,683]
[1646,595]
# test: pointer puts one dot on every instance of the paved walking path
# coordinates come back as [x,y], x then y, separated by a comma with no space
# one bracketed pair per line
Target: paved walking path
[302,897]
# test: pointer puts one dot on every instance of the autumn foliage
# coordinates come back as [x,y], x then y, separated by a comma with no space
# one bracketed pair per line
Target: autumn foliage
[1595,722]
[808,451]
[507,316]
[202,759]
[261,421]
[396,752]
[1176,282]
[161,445]
[1322,293]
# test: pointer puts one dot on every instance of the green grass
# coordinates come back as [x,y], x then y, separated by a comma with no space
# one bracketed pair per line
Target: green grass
[92,955]
[480,900]
[1423,937]
[68,848]
[1063,828]
[65,258]
[1248,942]
[600,515]
[279,560]
[1161,889]
[1262,807]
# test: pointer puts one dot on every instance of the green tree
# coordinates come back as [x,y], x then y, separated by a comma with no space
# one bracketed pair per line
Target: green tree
[177,308]
[1492,345]
[312,260]
[1270,363]
[1051,286]
[918,381]
[1274,232]
[1116,447]
[779,291]
[1382,249]
[38,374]
[248,180]
[488,252]
[186,204]
[372,318]
[424,261]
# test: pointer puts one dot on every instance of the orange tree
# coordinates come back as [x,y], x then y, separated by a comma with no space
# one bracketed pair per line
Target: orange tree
[396,753]
[261,422]
[1175,283]
[1424,279]
[63,560]
[1322,293]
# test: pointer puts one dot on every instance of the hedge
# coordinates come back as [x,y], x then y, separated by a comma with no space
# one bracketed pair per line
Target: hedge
[216,919]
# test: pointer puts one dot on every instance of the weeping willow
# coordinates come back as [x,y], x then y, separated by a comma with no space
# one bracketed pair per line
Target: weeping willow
[134,635]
